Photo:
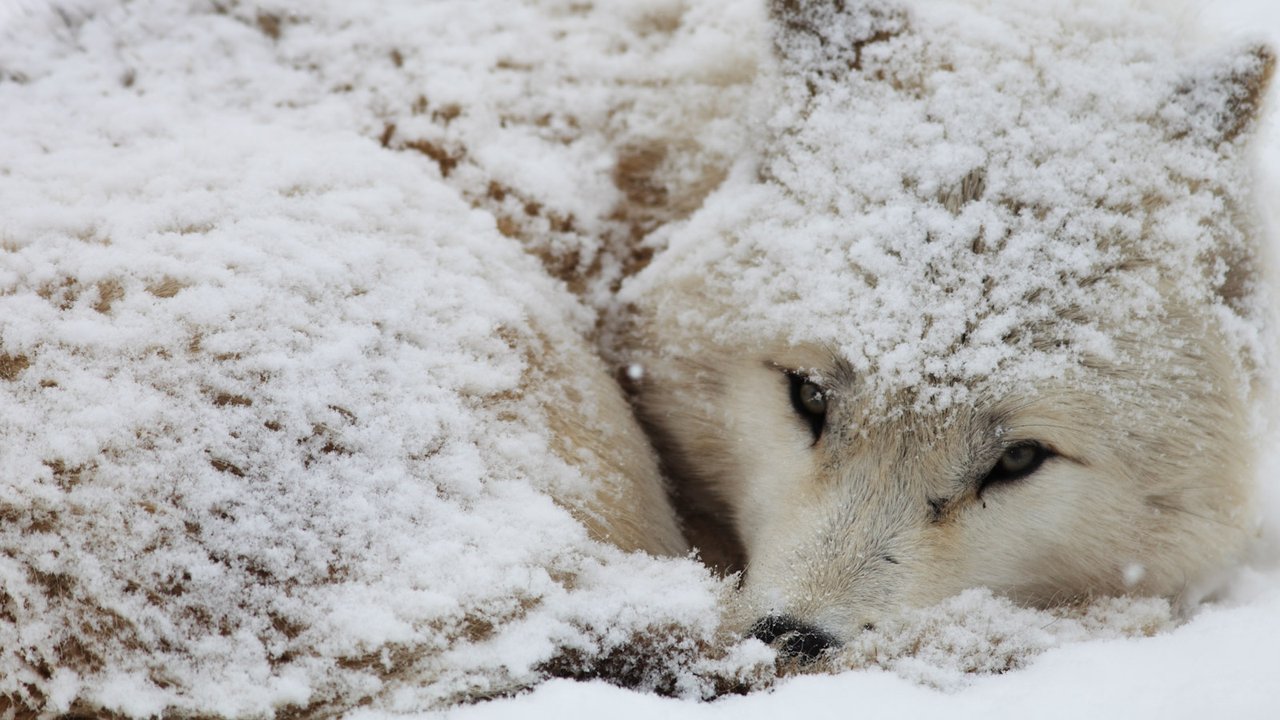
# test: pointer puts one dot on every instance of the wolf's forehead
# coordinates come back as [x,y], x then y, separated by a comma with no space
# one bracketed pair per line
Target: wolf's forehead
[914,296]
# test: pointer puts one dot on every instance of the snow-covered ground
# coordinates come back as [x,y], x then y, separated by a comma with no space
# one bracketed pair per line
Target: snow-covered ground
[253,259]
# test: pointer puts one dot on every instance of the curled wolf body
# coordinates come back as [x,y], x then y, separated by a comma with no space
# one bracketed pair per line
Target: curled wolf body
[986,311]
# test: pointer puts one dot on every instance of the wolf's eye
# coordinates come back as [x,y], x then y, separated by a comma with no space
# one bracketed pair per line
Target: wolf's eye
[810,403]
[1017,462]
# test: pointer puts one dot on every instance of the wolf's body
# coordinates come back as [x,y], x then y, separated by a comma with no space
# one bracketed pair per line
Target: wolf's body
[592,429]
[263,462]
[985,313]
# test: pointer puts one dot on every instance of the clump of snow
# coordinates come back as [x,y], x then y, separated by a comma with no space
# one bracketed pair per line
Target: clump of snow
[1133,574]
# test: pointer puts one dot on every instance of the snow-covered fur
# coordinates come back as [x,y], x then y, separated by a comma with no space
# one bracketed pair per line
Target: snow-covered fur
[986,312]
[288,425]
[263,435]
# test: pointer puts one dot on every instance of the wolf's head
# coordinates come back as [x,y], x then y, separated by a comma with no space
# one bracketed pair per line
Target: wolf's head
[984,313]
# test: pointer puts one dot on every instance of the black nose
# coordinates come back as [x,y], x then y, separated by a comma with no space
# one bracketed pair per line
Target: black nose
[794,638]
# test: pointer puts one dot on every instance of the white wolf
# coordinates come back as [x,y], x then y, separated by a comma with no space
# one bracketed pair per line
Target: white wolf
[985,312]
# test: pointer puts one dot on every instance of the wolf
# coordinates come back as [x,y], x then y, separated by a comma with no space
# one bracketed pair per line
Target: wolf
[988,308]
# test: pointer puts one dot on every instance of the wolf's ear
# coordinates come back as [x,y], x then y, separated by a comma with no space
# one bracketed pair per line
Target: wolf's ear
[825,38]
[1220,101]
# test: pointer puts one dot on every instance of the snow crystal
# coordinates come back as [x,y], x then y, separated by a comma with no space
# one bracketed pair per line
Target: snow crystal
[1133,574]
[635,372]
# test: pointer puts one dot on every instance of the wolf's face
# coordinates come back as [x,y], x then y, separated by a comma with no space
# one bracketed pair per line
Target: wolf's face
[1044,493]
[953,332]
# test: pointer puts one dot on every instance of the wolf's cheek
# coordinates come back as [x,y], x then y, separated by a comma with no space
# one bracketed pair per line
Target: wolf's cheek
[1068,529]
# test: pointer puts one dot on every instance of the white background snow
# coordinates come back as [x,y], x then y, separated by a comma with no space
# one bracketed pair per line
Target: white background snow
[1224,662]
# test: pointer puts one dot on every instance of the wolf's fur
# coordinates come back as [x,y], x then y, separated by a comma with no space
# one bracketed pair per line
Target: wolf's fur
[1147,487]
[593,430]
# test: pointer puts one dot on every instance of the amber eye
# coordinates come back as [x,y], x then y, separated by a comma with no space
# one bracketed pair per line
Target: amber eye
[809,402]
[1017,462]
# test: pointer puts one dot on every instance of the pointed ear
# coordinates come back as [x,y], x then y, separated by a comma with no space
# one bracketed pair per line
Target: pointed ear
[1220,101]
[825,38]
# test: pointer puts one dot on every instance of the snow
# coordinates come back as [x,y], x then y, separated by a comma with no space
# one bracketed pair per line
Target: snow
[264,445]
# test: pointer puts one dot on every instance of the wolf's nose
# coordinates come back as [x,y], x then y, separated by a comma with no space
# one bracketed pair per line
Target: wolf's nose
[794,638]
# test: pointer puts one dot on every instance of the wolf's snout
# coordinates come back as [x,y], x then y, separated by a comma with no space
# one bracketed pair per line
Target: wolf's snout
[794,638]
